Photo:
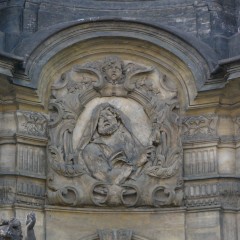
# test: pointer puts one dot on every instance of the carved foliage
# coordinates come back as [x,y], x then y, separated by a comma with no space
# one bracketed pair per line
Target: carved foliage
[110,165]
[32,123]
[199,126]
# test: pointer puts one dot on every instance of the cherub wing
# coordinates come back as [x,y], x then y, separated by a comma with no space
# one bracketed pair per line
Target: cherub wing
[132,70]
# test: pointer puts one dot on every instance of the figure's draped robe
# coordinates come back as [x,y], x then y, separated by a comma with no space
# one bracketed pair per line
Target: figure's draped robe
[112,158]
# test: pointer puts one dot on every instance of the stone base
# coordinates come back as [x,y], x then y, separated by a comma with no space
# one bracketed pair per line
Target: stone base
[64,223]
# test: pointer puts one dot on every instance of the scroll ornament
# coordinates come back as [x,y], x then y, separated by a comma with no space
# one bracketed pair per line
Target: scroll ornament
[110,166]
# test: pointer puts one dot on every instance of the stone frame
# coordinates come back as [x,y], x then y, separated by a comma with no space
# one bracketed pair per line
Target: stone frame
[160,108]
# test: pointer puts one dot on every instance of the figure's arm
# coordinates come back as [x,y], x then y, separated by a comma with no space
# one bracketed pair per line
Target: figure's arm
[118,158]
[145,157]
[4,222]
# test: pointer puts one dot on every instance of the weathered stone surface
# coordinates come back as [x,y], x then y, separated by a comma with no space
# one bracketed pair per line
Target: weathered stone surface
[198,228]
[107,158]
[117,119]
[204,19]
[84,224]
[12,229]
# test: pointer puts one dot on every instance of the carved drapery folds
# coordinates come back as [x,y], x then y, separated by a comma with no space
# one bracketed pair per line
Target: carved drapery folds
[109,163]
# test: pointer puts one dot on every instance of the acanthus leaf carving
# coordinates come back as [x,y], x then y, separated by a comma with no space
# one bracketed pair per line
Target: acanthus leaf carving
[109,163]
[32,123]
[65,168]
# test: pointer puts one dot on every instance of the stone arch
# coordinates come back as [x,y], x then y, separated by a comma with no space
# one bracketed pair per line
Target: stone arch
[55,50]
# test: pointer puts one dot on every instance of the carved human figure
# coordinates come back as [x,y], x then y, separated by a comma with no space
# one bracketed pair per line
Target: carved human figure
[30,222]
[10,229]
[109,165]
[112,69]
[109,148]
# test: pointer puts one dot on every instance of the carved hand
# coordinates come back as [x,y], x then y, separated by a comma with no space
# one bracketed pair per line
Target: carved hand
[146,156]
[31,220]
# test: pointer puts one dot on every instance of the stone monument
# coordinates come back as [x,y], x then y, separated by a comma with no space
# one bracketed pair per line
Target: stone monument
[12,229]
[110,164]
[119,119]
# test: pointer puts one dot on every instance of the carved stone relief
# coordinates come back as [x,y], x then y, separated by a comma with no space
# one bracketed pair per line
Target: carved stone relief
[121,234]
[201,161]
[199,127]
[30,223]
[31,159]
[7,191]
[32,123]
[107,163]
[30,193]
[225,194]
[114,234]
[12,229]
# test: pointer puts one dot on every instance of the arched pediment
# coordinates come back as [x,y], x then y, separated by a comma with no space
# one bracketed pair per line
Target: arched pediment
[51,52]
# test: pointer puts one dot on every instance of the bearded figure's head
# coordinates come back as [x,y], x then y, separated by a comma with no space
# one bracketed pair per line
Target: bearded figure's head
[108,121]
[105,120]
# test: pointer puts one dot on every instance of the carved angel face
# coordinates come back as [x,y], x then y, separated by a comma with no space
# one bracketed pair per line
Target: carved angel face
[113,69]
[107,122]
[114,72]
